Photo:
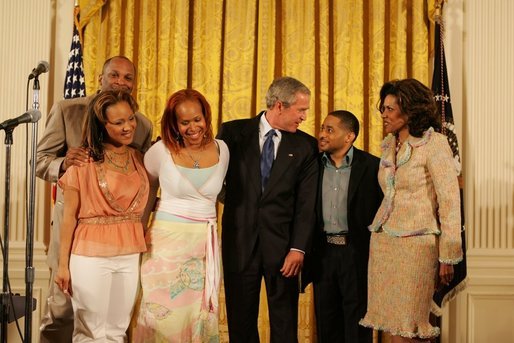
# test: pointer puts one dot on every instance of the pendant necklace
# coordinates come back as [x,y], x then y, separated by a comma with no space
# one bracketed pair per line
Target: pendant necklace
[196,161]
[398,144]
[112,161]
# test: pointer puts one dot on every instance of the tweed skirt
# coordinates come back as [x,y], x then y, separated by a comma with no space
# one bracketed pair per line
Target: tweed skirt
[401,281]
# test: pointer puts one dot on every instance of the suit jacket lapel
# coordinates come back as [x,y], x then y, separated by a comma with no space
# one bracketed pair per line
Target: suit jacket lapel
[319,194]
[251,152]
[358,168]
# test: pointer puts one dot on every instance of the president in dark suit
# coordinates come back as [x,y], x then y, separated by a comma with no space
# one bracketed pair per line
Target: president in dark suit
[269,214]
[349,196]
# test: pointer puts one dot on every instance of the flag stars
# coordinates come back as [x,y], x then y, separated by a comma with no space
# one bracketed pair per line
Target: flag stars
[441,97]
[74,80]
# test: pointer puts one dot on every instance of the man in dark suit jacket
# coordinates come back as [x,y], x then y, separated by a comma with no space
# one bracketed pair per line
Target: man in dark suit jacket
[268,224]
[349,196]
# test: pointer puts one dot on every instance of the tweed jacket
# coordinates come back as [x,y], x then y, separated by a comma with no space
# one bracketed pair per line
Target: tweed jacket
[421,192]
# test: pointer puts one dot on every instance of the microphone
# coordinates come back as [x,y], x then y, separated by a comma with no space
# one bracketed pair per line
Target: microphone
[30,116]
[42,67]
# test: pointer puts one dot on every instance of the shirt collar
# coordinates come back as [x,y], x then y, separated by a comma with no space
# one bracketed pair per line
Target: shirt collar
[264,127]
[347,161]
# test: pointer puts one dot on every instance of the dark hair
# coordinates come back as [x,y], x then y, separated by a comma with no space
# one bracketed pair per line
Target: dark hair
[284,89]
[416,101]
[169,123]
[94,133]
[348,120]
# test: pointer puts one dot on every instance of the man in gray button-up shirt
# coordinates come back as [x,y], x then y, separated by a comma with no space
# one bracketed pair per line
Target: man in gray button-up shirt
[349,198]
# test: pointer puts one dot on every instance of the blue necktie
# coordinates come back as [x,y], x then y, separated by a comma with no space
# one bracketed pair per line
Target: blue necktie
[267,157]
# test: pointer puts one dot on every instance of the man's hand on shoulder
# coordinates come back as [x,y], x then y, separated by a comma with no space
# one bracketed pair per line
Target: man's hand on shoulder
[75,157]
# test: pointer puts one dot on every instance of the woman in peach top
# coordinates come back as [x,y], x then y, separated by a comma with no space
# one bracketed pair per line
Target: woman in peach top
[102,233]
[416,231]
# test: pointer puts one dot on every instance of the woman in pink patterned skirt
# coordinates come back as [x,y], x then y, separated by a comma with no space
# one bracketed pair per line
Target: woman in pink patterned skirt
[180,273]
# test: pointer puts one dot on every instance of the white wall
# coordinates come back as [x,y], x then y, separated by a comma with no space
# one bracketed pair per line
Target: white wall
[480,46]
[30,32]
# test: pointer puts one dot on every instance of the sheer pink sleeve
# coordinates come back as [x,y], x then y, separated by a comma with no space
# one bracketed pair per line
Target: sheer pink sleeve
[70,179]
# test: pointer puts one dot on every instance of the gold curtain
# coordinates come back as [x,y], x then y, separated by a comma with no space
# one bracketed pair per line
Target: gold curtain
[231,50]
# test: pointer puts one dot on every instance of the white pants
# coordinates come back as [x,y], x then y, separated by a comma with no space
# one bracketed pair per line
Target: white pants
[104,292]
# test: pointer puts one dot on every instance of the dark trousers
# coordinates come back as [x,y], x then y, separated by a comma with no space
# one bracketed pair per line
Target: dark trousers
[340,297]
[242,295]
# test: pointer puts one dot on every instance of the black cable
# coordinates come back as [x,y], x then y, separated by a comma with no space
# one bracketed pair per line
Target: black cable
[11,295]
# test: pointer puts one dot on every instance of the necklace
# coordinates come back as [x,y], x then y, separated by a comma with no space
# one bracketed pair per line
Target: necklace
[124,153]
[398,144]
[111,159]
[196,161]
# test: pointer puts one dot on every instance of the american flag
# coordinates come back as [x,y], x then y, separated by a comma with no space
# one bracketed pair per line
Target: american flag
[74,84]
[441,90]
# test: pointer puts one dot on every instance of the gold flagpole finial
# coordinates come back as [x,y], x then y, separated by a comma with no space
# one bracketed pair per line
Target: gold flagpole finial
[438,11]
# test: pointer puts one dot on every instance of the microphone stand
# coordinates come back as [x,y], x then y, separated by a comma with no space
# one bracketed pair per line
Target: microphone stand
[6,299]
[5,288]
[29,249]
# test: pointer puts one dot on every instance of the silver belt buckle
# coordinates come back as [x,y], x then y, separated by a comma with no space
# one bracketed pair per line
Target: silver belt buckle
[337,239]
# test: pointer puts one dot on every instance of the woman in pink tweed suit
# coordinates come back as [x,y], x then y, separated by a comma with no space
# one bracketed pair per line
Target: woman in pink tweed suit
[416,231]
